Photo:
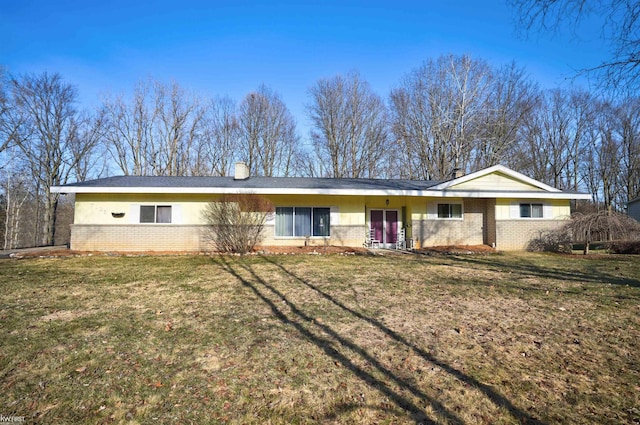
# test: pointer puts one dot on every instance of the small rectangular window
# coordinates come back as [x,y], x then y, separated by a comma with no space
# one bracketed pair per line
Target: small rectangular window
[147,214]
[163,214]
[155,214]
[531,211]
[449,210]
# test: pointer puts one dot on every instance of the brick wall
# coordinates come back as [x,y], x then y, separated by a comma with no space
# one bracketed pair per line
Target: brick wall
[516,234]
[468,231]
[157,237]
[134,237]
[340,236]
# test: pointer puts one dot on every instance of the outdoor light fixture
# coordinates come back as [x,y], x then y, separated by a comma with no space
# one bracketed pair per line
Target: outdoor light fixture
[117,214]
[387,202]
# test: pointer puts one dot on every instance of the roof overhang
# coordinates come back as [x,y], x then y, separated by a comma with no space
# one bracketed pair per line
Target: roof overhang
[431,193]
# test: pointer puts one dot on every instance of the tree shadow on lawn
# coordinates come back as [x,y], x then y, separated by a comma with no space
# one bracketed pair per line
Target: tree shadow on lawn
[593,275]
[262,289]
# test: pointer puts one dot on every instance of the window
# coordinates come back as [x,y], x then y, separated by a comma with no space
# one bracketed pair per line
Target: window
[302,221]
[449,210]
[531,211]
[155,214]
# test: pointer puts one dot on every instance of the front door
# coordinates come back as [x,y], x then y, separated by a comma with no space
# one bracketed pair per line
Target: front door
[385,226]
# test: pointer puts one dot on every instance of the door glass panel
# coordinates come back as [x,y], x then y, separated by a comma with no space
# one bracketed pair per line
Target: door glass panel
[392,227]
[303,221]
[321,218]
[377,217]
[284,221]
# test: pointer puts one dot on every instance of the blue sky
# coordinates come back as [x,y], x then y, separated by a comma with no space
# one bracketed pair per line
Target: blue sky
[230,48]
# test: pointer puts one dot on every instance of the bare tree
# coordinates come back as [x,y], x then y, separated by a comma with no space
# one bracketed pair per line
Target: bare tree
[510,102]
[601,226]
[628,133]
[555,136]
[7,124]
[350,133]
[128,135]
[84,155]
[437,115]
[222,132]
[267,133]
[620,29]
[177,130]
[46,104]
[18,196]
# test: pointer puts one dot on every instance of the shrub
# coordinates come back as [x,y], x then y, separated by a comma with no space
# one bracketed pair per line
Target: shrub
[626,247]
[551,241]
[236,222]
[602,226]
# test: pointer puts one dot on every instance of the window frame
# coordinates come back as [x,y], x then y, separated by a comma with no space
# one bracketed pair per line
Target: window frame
[156,216]
[310,220]
[450,211]
[530,206]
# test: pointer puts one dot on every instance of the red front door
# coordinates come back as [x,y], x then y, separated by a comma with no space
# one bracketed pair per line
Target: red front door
[377,224]
[391,229]
[385,225]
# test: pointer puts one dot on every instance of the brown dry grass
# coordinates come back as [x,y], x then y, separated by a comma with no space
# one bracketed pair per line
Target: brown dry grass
[517,338]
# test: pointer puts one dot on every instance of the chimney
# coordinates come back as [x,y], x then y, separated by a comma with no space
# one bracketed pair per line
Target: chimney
[457,173]
[242,171]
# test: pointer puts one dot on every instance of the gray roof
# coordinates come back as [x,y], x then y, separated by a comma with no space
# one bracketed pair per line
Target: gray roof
[255,183]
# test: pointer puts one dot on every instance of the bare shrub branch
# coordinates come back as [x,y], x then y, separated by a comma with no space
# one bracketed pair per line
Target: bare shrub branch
[236,221]
[602,226]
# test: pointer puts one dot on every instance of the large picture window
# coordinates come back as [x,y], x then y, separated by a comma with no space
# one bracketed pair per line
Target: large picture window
[531,211]
[449,210]
[302,221]
[155,214]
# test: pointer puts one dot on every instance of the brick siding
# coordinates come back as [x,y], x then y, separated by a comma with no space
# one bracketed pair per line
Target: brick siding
[158,237]
[516,234]
[135,237]
[468,231]
[340,236]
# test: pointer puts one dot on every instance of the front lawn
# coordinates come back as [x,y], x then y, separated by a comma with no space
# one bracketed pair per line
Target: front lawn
[502,338]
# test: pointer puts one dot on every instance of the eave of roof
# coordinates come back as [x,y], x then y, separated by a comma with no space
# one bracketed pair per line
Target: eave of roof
[323,191]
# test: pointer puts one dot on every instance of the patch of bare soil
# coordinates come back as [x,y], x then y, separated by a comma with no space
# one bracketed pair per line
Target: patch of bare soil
[281,250]
[456,249]
[317,249]
[278,250]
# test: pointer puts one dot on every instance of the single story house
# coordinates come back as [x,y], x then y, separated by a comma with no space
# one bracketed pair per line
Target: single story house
[633,208]
[495,206]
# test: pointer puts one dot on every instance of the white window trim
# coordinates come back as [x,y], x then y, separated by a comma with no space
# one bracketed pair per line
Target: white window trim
[432,210]
[135,210]
[514,210]
[331,224]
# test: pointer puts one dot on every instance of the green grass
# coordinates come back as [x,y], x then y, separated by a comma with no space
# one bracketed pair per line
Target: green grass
[505,338]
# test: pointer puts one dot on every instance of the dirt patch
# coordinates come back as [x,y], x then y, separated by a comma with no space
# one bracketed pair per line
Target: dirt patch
[283,250]
[329,249]
[268,250]
[456,249]
[62,315]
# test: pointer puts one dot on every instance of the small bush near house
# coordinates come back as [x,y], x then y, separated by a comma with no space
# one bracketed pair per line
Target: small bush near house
[628,247]
[237,221]
[551,241]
